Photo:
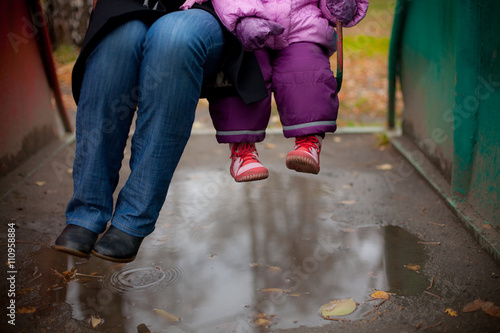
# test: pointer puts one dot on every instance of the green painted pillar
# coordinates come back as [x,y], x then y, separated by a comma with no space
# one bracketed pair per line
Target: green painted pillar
[466,110]
[446,54]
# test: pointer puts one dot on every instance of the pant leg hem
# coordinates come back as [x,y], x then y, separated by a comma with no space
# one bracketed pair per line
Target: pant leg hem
[85,224]
[130,231]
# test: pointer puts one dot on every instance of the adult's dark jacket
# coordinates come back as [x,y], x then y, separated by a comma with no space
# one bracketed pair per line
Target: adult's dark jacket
[241,72]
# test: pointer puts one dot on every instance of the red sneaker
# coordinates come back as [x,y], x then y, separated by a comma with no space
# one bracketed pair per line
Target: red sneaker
[245,164]
[305,156]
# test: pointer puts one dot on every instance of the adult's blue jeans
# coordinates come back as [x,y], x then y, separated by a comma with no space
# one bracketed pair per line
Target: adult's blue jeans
[157,72]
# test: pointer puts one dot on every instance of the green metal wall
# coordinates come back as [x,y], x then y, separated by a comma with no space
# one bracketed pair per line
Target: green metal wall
[446,55]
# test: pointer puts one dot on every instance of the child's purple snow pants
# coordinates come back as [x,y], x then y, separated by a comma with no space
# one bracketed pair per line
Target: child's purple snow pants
[304,89]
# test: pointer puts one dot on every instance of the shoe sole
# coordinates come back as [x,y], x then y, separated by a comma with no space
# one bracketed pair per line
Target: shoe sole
[302,164]
[252,177]
[120,260]
[73,252]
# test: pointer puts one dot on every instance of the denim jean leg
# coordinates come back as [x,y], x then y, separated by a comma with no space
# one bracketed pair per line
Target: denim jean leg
[104,115]
[181,49]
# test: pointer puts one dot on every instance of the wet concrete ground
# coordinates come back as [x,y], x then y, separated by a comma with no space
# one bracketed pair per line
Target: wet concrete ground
[223,252]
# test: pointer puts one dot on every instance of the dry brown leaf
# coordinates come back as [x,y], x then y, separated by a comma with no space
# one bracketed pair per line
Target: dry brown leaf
[493,311]
[167,315]
[26,310]
[413,267]
[472,306]
[262,320]
[451,312]
[438,224]
[275,290]
[380,294]
[40,183]
[385,166]
[95,321]
[275,269]
[69,274]
[488,307]
[485,306]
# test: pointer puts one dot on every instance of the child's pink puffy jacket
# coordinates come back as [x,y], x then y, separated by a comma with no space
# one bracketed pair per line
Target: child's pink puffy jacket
[302,20]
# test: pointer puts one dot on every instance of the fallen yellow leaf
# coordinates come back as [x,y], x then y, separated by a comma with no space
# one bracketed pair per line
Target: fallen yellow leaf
[40,183]
[451,312]
[338,307]
[260,315]
[380,294]
[95,321]
[168,316]
[263,322]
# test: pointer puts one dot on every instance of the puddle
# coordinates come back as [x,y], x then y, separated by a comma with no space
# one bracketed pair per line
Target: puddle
[141,279]
[223,252]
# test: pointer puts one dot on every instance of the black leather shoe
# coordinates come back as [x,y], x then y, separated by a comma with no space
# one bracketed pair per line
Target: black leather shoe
[117,246]
[76,240]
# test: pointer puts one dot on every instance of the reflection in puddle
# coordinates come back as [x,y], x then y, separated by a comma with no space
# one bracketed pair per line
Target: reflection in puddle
[223,252]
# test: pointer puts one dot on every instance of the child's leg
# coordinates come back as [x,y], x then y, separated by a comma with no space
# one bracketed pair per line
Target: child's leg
[305,92]
[241,125]
[236,121]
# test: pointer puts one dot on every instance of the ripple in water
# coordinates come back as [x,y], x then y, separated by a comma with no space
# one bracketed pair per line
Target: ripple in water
[141,279]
